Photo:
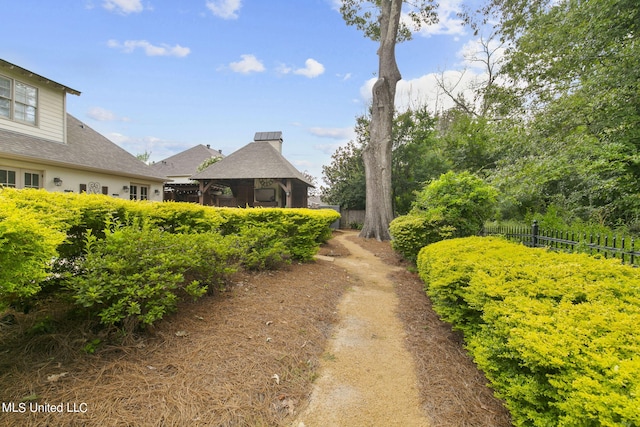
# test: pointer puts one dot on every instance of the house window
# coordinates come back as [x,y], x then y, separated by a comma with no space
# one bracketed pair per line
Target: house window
[18,101]
[139,192]
[31,180]
[19,178]
[5,97]
[7,178]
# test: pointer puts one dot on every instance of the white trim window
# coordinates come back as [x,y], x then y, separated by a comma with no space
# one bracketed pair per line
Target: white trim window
[20,178]
[31,179]
[139,192]
[8,178]
[18,101]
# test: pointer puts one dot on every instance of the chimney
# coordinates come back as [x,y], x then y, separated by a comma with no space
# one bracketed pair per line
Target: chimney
[273,138]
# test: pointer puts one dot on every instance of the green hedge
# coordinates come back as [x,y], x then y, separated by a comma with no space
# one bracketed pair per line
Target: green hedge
[27,246]
[454,205]
[556,334]
[132,260]
[413,232]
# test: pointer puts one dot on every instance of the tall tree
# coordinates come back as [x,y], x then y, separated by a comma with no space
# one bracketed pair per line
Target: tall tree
[380,21]
[416,159]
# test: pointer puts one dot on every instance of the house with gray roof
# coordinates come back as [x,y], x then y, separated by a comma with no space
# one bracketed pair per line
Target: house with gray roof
[179,168]
[42,146]
[257,175]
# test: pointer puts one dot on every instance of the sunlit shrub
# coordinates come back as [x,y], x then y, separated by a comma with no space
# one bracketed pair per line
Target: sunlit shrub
[555,333]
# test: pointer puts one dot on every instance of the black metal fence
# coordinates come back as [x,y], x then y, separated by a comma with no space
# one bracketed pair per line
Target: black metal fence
[570,241]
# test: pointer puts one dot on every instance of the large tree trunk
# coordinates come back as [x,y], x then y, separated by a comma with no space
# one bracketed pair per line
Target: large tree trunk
[377,153]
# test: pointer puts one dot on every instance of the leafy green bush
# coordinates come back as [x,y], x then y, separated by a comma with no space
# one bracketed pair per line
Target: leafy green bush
[455,205]
[131,261]
[300,230]
[136,274]
[555,333]
[262,249]
[464,201]
[412,232]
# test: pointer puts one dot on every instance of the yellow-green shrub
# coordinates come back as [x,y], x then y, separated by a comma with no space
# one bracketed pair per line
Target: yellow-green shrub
[300,230]
[555,333]
[27,248]
[40,230]
[138,273]
[412,232]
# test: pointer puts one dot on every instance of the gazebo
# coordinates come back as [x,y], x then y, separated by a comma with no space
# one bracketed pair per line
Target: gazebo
[256,175]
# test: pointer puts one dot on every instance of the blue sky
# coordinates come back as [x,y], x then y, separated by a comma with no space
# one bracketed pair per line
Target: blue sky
[162,76]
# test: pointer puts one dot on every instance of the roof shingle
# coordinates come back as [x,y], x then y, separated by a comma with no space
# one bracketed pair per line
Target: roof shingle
[255,160]
[85,149]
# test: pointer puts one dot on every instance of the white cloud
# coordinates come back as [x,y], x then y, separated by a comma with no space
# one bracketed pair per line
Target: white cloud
[150,50]
[312,69]
[425,91]
[329,149]
[474,53]
[284,69]
[449,23]
[333,133]
[102,115]
[158,147]
[123,6]
[225,9]
[248,64]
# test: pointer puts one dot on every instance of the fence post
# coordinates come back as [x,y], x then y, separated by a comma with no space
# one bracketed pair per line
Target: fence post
[534,233]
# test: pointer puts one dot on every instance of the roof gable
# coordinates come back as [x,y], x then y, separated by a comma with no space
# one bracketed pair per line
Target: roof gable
[255,160]
[31,74]
[186,162]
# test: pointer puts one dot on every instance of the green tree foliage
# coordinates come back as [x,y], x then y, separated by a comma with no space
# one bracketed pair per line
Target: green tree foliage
[468,143]
[345,178]
[455,205]
[576,65]
[208,162]
[416,159]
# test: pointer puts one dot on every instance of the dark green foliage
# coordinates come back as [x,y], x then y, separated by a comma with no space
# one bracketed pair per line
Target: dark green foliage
[137,274]
[455,205]
[416,159]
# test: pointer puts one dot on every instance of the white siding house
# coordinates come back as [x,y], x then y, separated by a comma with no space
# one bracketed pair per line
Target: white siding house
[42,146]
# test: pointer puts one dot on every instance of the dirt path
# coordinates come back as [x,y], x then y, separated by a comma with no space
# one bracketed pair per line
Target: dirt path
[367,377]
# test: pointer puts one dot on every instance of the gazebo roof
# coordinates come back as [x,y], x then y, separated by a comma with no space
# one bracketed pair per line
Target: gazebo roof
[258,159]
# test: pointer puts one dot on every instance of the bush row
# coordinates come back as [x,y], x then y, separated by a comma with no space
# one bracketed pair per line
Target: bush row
[555,333]
[132,260]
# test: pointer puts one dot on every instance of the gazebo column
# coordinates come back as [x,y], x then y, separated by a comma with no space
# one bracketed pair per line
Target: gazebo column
[203,190]
[288,189]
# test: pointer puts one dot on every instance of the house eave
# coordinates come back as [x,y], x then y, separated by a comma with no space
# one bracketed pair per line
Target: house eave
[42,79]
[84,168]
